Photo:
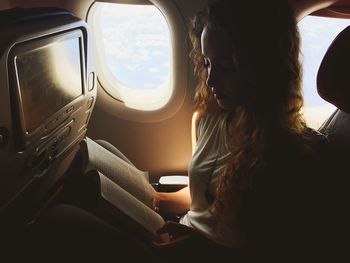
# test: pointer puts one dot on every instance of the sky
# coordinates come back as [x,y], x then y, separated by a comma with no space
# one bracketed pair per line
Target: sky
[138,51]
[137,41]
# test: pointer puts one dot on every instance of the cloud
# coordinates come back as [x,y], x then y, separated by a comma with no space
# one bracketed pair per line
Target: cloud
[132,67]
[134,35]
[149,85]
[153,70]
[137,45]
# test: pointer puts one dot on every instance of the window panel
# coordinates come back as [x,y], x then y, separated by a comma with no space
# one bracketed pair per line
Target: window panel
[317,33]
[135,51]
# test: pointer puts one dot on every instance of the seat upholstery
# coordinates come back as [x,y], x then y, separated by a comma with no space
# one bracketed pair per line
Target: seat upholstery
[333,84]
[337,129]
[34,160]
[333,78]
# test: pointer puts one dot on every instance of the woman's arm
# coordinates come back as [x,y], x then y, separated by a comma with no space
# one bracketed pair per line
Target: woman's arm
[178,202]
[194,128]
[173,203]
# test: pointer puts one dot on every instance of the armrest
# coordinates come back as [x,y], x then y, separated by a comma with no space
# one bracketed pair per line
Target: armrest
[172,183]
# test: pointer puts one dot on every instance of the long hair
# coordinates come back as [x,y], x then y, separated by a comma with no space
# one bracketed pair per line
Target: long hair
[265,39]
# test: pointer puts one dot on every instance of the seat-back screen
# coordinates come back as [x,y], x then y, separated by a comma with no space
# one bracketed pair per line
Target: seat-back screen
[49,77]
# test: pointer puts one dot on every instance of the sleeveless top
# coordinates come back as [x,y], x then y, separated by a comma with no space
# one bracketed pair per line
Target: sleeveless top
[210,155]
[285,207]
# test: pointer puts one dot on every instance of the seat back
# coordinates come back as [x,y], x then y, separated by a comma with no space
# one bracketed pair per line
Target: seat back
[47,93]
[333,84]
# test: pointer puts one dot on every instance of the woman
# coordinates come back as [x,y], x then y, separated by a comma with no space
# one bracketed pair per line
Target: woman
[254,162]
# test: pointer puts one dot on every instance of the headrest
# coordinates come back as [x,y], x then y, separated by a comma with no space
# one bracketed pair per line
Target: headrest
[18,14]
[333,78]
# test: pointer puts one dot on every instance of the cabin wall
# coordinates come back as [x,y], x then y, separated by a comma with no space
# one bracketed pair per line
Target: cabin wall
[162,147]
[6,4]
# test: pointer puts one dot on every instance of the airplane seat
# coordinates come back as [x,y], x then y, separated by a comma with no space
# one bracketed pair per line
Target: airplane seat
[333,85]
[113,150]
[69,232]
[47,93]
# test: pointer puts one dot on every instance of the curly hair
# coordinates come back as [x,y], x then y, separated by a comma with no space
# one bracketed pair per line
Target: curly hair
[266,45]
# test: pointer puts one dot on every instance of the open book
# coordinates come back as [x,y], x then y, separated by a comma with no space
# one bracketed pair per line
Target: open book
[124,190]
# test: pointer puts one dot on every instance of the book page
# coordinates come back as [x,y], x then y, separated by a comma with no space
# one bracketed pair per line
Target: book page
[129,205]
[128,177]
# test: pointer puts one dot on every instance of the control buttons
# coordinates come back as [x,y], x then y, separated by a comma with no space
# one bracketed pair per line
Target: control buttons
[91,81]
[66,131]
[90,102]
[57,141]
[70,109]
[37,159]
[87,118]
[50,150]
[51,124]
[60,117]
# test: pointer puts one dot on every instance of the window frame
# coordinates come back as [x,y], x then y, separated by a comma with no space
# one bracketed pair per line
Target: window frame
[108,97]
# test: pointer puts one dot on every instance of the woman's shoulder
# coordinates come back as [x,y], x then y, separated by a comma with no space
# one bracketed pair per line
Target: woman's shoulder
[300,148]
[196,117]
[316,140]
[214,116]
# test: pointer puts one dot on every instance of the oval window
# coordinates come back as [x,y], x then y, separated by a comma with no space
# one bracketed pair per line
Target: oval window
[135,54]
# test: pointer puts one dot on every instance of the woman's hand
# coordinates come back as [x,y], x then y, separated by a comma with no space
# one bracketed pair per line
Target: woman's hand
[179,236]
[186,242]
[177,231]
[172,203]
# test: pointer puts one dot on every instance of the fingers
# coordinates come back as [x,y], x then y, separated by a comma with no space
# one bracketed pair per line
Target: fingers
[174,242]
[176,232]
[173,228]
[155,204]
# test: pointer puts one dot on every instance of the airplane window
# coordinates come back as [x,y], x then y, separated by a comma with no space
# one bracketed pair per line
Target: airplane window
[135,54]
[317,33]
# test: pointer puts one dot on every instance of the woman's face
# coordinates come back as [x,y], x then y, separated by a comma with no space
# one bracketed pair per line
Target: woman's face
[223,79]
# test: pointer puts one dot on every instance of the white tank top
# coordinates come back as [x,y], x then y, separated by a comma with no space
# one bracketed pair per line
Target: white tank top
[208,161]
